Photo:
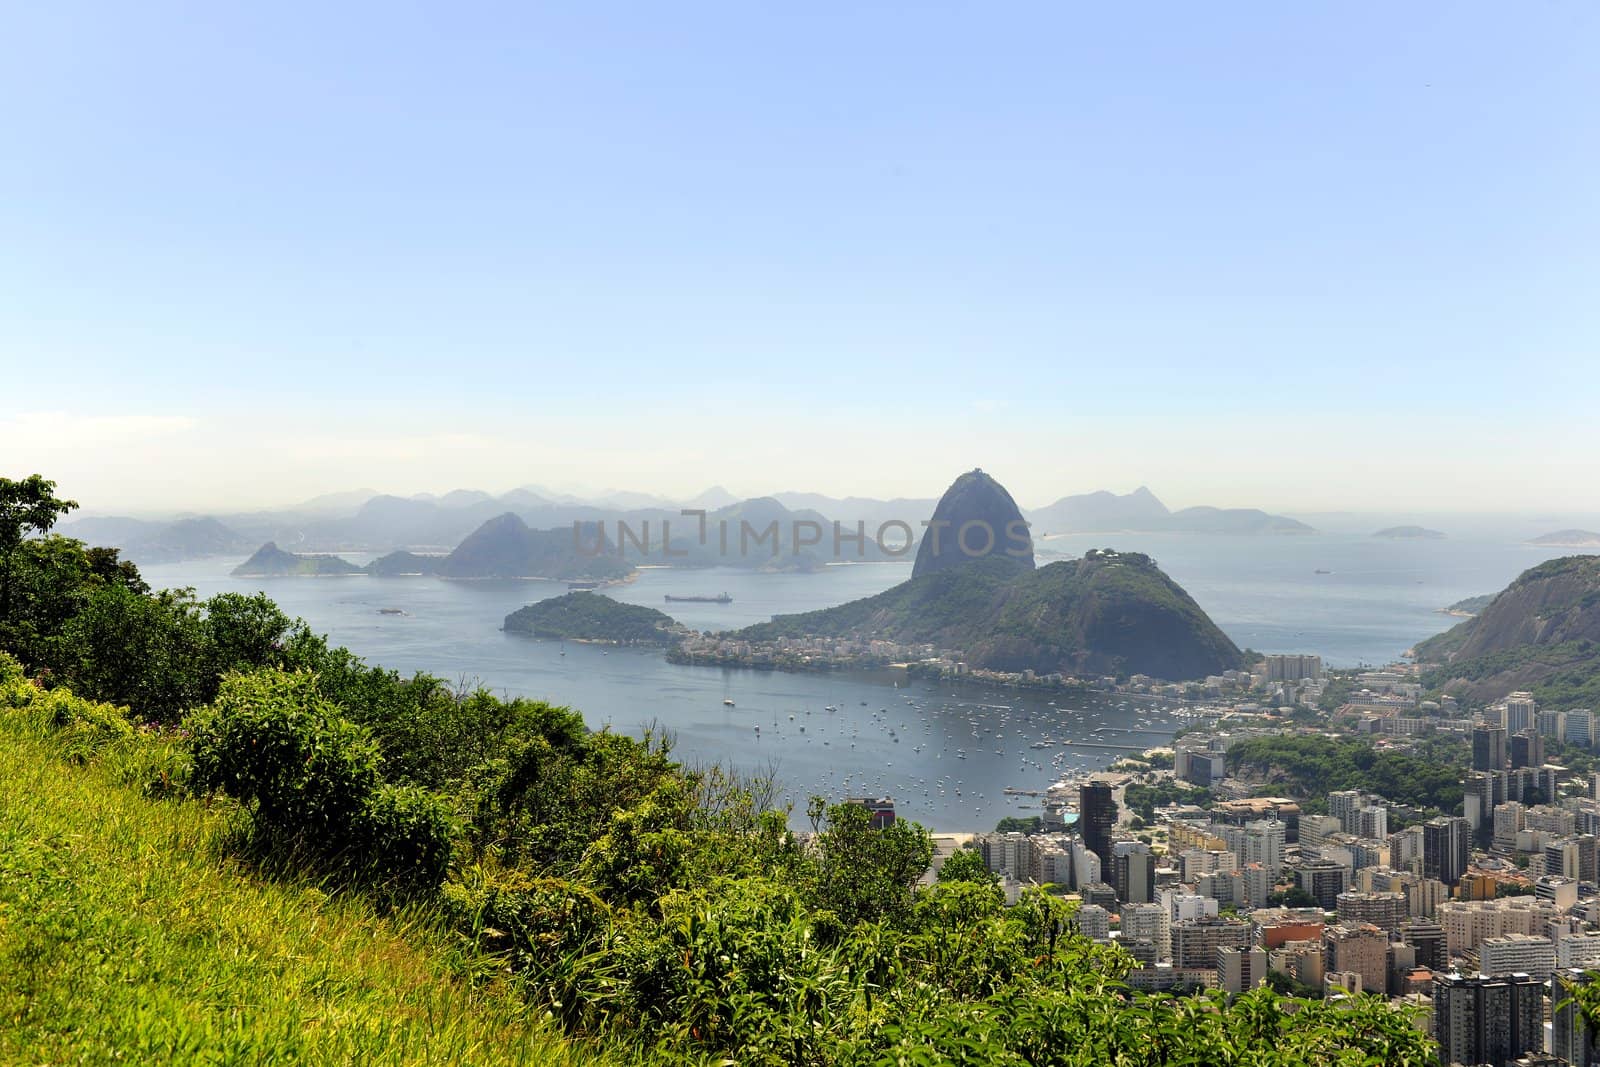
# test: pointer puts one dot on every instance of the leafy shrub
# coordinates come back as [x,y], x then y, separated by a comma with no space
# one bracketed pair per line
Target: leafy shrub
[80,729]
[403,837]
[272,742]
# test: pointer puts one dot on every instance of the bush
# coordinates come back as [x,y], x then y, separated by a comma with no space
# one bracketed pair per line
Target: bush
[403,836]
[80,729]
[274,744]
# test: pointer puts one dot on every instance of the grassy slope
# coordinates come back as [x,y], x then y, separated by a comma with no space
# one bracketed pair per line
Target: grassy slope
[124,935]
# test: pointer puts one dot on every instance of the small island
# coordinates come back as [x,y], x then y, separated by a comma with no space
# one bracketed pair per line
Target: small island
[584,616]
[1410,533]
[1569,539]
[270,561]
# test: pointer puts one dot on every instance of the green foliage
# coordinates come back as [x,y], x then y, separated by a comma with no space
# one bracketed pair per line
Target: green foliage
[586,616]
[145,652]
[310,780]
[663,909]
[28,507]
[125,937]
[966,865]
[403,835]
[1107,613]
[276,745]
[1020,824]
[1314,766]
[863,874]
[1145,799]
[79,729]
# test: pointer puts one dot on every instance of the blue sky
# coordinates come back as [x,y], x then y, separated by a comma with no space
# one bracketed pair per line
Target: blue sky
[1299,256]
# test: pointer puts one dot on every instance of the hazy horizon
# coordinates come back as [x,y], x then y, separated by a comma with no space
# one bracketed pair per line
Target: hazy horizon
[347,500]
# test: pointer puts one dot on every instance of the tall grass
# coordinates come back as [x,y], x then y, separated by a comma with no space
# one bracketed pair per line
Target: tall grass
[126,935]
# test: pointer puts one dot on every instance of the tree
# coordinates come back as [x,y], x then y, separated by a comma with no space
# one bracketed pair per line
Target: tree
[867,874]
[148,653]
[967,865]
[26,507]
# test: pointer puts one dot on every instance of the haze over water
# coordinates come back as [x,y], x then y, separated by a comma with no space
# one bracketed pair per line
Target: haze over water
[1378,599]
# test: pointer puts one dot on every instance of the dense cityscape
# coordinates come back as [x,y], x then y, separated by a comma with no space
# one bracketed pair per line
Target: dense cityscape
[1471,918]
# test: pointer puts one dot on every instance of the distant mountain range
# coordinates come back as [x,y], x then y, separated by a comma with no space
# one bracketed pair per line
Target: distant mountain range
[364,521]
[161,542]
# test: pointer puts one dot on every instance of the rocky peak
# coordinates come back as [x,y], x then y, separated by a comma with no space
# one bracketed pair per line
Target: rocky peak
[975,519]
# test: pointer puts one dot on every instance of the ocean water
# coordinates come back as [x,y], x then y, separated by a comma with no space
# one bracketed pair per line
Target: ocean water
[947,754]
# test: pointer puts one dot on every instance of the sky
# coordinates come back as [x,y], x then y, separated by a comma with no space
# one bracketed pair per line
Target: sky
[1297,256]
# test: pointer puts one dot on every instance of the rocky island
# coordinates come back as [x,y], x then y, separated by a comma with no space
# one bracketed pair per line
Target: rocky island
[964,610]
[584,616]
[1409,533]
[1569,539]
[270,561]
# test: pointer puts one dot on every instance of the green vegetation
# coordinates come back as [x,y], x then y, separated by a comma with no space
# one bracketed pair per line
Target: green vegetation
[1108,613]
[1021,824]
[967,865]
[1568,674]
[586,616]
[1145,799]
[127,934]
[1311,767]
[329,862]
[1472,605]
[1542,634]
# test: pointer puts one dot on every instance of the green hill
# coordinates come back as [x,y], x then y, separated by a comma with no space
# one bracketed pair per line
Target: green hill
[398,564]
[1542,634]
[593,617]
[1108,613]
[126,936]
[270,561]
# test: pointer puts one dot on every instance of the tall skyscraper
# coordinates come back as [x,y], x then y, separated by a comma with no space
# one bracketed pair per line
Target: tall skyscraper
[1446,848]
[1527,749]
[1427,938]
[1097,814]
[1488,747]
[1483,1020]
[1521,713]
[1343,805]
[1134,867]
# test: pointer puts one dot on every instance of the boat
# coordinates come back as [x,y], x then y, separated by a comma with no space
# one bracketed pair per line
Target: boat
[720,598]
[391,611]
[1319,570]
[727,703]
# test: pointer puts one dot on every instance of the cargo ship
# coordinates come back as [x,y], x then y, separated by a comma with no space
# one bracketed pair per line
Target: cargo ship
[720,598]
